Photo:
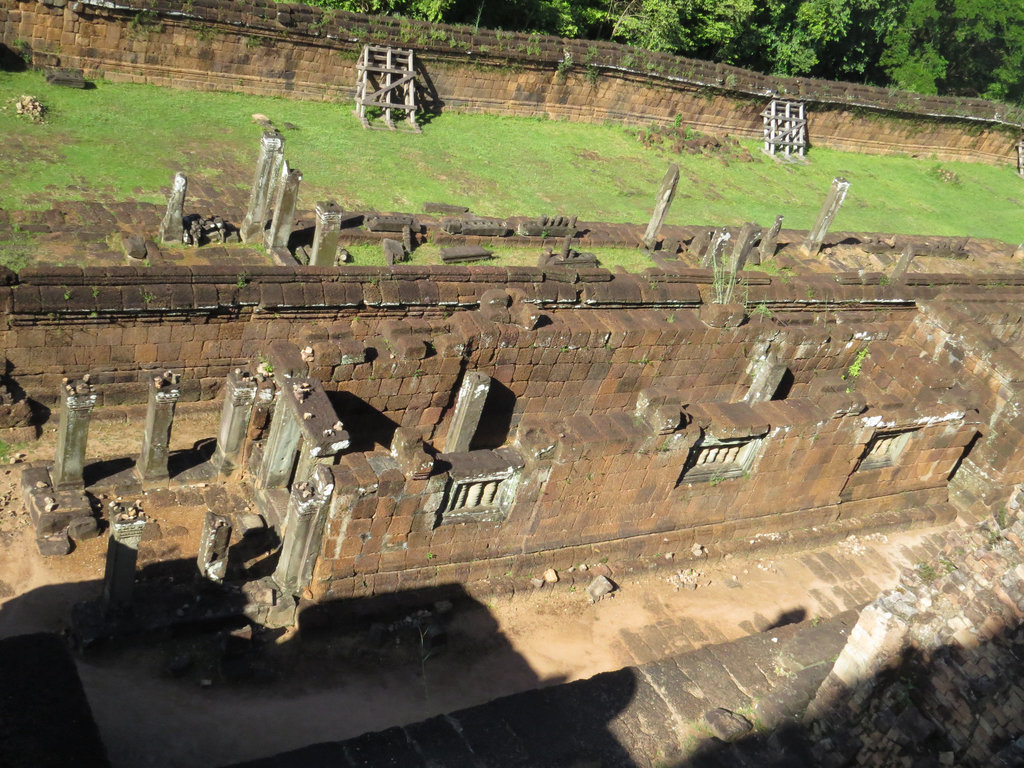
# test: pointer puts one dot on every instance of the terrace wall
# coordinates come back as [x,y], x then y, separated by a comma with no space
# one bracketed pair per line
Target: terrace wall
[302,52]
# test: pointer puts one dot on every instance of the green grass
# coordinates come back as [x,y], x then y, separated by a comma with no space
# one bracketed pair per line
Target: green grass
[123,142]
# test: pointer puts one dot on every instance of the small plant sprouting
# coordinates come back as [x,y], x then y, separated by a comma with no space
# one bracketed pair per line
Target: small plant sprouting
[95,292]
[67,294]
[148,296]
[853,372]
[926,572]
[431,555]
[564,68]
[762,310]
[242,281]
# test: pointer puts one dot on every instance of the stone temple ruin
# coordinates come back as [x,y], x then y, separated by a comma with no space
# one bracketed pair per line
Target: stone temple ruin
[408,435]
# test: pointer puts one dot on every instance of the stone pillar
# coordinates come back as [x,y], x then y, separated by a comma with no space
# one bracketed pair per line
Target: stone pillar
[77,401]
[744,244]
[767,374]
[303,531]
[279,452]
[665,195]
[172,228]
[468,407]
[285,200]
[213,546]
[769,241]
[163,398]
[828,212]
[122,553]
[713,255]
[239,394]
[267,169]
[900,271]
[327,235]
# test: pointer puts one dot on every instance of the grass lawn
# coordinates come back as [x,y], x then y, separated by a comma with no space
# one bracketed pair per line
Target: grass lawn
[119,142]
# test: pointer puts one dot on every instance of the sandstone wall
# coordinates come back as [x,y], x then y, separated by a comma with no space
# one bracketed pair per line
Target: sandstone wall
[304,52]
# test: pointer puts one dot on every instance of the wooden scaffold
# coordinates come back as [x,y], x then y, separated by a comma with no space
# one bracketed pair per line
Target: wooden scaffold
[387,81]
[785,128]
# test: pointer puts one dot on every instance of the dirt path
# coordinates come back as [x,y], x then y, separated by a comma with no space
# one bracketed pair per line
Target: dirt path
[308,689]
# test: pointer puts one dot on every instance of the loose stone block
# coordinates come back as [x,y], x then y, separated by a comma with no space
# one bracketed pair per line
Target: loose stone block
[477,225]
[460,253]
[172,228]
[66,77]
[699,244]
[388,222]
[77,401]
[394,252]
[444,208]
[661,207]
[547,226]
[134,246]
[408,450]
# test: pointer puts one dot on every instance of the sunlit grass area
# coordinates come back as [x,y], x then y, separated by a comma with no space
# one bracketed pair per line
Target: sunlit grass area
[122,142]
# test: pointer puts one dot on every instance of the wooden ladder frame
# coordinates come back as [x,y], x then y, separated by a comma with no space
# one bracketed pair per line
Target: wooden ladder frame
[383,72]
[785,128]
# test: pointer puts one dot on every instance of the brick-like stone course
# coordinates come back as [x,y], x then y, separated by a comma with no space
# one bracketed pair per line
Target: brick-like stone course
[217,45]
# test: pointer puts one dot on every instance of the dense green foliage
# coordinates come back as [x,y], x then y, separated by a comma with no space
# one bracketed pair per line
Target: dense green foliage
[955,47]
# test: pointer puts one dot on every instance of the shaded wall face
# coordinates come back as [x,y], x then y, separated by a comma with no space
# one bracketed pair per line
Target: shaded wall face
[275,60]
[601,478]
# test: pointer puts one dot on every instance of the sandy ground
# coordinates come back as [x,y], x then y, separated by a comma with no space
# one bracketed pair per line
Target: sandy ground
[310,688]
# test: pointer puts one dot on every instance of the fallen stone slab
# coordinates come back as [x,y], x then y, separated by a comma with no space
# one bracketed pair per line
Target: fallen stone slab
[461,253]
[69,78]
[444,208]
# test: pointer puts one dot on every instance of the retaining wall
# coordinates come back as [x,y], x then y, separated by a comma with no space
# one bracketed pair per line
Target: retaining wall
[292,50]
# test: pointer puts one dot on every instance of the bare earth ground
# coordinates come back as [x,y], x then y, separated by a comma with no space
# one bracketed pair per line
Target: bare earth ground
[333,686]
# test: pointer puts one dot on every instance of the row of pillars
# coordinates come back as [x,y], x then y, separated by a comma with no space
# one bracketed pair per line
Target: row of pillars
[77,401]
[811,246]
[79,397]
[309,498]
[274,196]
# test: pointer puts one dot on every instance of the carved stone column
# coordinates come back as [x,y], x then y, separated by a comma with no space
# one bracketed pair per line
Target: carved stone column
[327,235]
[77,401]
[213,546]
[163,398]
[172,229]
[239,394]
[285,200]
[664,202]
[268,167]
[122,554]
[303,531]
